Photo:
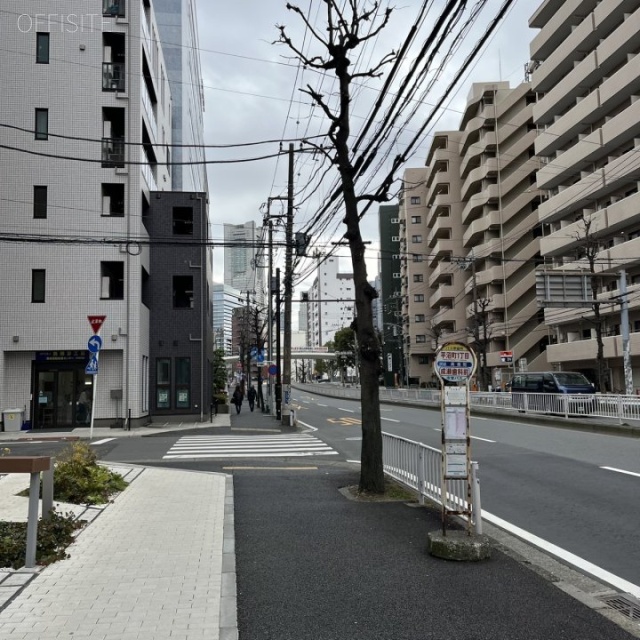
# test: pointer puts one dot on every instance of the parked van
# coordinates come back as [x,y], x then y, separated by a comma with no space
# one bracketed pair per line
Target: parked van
[575,386]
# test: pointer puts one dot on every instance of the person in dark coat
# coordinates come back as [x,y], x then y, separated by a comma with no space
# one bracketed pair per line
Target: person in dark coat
[237,398]
[251,396]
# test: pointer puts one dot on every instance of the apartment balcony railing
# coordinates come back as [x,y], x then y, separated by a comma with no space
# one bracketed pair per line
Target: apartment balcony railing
[113,152]
[113,76]
[113,8]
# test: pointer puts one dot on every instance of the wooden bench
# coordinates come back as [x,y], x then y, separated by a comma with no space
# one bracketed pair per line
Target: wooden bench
[33,465]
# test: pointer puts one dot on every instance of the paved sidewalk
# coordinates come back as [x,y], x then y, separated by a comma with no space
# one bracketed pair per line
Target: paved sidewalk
[156,564]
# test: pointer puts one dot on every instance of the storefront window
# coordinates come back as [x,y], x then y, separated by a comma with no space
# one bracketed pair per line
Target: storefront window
[163,383]
[183,383]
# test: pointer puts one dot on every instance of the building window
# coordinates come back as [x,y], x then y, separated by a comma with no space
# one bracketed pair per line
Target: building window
[42,124]
[163,383]
[417,257]
[113,200]
[416,219]
[420,339]
[182,221]
[415,199]
[112,280]
[418,277]
[183,292]
[396,275]
[39,202]
[416,238]
[183,383]
[42,48]
[423,360]
[37,285]
[419,317]
[418,297]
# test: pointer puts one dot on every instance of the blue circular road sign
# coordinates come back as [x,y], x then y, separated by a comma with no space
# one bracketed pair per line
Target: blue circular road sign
[95,344]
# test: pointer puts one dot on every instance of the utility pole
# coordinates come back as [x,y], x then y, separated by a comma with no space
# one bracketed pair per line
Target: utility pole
[278,371]
[270,311]
[624,323]
[288,294]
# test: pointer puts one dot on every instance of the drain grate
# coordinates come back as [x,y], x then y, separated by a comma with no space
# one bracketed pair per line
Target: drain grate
[626,605]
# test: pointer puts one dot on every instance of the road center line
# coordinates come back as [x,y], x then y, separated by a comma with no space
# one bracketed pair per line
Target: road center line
[322,405]
[629,473]
[102,441]
[483,439]
[389,419]
[347,410]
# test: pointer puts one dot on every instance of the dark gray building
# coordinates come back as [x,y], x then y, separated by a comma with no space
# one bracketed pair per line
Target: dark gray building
[179,299]
[390,268]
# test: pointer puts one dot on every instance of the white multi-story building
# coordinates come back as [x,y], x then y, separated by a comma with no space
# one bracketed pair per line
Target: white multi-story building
[331,303]
[585,72]
[225,300]
[87,104]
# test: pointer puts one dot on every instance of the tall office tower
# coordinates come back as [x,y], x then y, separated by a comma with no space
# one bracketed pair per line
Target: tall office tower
[225,300]
[585,70]
[88,105]
[179,40]
[242,269]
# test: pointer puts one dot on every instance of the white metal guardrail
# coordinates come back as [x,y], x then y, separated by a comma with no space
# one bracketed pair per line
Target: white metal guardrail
[613,406]
[419,467]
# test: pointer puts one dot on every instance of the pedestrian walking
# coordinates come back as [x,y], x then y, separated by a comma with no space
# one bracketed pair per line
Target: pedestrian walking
[237,398]
[251,397]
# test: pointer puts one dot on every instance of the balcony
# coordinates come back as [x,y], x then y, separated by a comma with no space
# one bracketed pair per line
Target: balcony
[113,8]
[113,76]
[148,171]
[113,152]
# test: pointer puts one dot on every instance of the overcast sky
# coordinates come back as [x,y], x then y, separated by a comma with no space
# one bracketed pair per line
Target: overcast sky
[251,94]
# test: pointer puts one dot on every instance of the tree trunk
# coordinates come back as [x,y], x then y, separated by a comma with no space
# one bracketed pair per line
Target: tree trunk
[371,467]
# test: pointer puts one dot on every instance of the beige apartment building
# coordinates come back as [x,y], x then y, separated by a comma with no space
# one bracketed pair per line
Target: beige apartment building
[475,214]
[586,73]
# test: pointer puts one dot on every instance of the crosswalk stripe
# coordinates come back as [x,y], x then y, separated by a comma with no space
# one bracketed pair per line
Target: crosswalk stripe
[248,447]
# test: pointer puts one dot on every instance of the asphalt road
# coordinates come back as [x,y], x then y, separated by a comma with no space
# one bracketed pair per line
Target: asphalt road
[549,481]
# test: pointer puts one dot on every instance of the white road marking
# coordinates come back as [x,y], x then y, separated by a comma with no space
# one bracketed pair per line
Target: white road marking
[629,473]
[305,424]
[355,461]
[472,437]
[584,565]
[322,405]
[389,419]
[248,447]
[347,410]
[360,438]
[102,441]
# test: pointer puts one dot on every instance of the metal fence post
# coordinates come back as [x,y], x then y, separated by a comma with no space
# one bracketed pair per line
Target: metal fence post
[32,520]
[421,479]
[475,498]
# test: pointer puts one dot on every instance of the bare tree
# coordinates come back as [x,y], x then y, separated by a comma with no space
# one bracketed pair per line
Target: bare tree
[480,332]
[347,29]
[589,251]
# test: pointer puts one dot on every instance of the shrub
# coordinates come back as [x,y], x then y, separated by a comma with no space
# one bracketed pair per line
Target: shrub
[55,534]
[79,479]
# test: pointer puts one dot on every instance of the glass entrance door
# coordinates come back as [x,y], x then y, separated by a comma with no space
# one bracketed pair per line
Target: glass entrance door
[62,397]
